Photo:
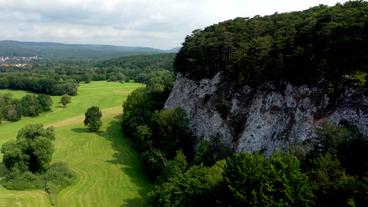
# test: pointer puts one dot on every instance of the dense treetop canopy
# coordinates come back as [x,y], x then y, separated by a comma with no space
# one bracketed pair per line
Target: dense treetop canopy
[321,43]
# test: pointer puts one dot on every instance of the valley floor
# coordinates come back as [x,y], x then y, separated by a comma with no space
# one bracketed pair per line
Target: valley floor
[109,172]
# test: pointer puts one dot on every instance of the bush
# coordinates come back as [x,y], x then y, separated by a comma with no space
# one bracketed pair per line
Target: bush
[209,152]
[65,99]
[58,176]
[23,181]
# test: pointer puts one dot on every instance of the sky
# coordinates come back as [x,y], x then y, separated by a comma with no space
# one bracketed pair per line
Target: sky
[150,23]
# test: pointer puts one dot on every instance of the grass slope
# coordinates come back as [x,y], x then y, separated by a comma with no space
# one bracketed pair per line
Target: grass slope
[108,171]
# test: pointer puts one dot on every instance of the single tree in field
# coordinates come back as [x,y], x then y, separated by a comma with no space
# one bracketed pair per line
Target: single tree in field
[93,118]
[65,99]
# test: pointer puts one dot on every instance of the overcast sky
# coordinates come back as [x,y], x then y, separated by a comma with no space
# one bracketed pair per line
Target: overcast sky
[152,23]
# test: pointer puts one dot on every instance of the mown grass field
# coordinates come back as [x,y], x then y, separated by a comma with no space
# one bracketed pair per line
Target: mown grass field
[109,172]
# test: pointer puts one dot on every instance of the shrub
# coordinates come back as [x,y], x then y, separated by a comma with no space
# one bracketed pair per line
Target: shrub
[65,99]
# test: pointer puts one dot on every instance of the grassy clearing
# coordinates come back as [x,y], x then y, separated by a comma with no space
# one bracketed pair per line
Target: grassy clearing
[108,171]
[101,93]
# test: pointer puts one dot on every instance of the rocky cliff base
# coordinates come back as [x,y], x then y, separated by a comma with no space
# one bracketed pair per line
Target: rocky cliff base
[264,118]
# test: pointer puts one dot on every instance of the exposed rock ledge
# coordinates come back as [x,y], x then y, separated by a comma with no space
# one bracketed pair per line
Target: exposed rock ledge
[262,119]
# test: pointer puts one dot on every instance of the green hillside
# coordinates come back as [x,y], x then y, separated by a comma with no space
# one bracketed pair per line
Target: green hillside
[59,51]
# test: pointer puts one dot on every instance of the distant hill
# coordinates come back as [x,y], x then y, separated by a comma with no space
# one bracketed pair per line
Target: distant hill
[60,51]
[174,50]
[141,62]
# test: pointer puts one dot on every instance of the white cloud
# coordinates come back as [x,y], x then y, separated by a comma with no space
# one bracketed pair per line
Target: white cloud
[154,23]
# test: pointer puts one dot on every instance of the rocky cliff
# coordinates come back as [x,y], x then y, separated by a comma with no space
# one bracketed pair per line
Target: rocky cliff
[264,118]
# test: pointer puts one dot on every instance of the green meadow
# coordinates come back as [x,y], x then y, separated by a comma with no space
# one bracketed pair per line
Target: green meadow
[109,172]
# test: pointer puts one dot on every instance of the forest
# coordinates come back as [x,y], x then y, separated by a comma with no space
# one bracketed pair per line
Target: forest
[322,43]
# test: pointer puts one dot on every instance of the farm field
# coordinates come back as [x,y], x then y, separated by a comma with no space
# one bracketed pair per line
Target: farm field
[109,172]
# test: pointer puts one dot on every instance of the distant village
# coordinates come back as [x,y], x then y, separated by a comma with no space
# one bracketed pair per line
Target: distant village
[17,61]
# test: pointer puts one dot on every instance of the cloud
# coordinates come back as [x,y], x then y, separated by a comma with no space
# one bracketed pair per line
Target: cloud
[154,23]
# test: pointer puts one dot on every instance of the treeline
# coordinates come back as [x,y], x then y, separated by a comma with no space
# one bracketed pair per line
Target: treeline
[321,43]
[138,68]
[139,62]
[156,134]
[37,83]
[12,109]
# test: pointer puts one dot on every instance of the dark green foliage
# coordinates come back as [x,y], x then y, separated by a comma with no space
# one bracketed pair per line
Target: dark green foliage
[211,151]
[38,83]
[172,132]
[329,180]
[137,68]
[346,144]
[93,118]
[157,134]
[28,158]
[23,181]
[10,108]
[154,162]
[4,83]
[338,166]
[58,176]
[159,80]
[45,102]
[32,151]
[174,167]
[139,108]
[193,187]
[65,99]
[321,43]
[170,135]
[67,87]
[252,180]
[62,77]
[30,105]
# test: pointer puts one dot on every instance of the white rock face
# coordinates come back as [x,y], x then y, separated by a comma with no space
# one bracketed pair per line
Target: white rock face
[262,119]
